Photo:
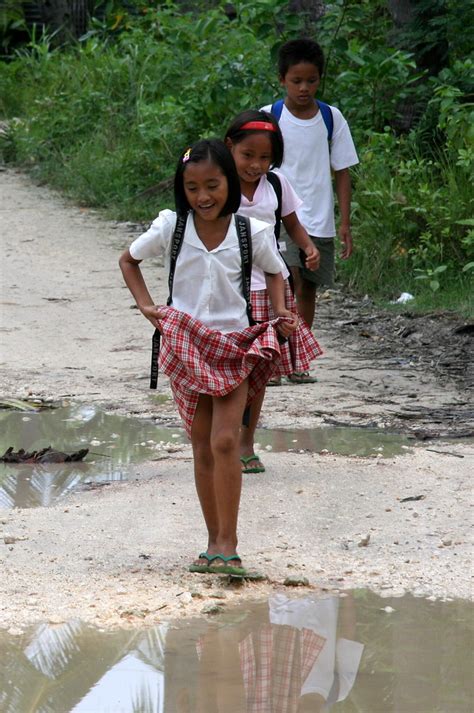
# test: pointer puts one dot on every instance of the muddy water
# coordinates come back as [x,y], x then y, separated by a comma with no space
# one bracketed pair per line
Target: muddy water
[115,442]
[353,653]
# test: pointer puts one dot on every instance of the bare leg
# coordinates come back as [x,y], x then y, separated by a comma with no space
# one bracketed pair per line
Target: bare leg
[218,477]
[305,293]
[247,433]
[226,421]
[204,467]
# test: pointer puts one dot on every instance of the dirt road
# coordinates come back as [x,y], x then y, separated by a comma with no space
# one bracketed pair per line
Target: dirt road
[68,330]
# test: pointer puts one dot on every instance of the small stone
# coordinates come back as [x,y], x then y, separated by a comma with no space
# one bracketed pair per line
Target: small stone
[295,580]
[364,541]
[11,539]
[388,610]
[447,542]
[14,631]
[55,620]
[254,576]
[211,609]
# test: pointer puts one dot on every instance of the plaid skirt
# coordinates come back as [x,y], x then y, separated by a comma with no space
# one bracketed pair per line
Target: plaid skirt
[275,661]
[301,348]
[199,360]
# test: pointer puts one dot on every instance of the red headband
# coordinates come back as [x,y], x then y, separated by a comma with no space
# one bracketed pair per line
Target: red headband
[259,126]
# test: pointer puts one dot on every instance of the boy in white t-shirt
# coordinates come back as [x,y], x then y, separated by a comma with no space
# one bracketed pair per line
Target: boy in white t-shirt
[308,162]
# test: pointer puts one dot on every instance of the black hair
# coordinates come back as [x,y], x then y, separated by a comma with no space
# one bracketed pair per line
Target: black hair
[215,151]
[301,50]
[236,134]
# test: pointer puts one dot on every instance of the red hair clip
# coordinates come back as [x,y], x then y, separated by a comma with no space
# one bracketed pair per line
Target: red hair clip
[259,126]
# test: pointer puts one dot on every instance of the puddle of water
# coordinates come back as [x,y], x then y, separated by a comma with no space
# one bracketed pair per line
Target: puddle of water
[116,441]
[353,653]
[344,441]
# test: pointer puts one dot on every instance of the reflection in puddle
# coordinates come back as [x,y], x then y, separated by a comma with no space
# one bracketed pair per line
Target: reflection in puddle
[116,441]
[352,653]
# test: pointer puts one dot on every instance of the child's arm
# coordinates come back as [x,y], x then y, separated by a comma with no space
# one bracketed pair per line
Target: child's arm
[136,284]
[276,292]
[344,194]
[299,236]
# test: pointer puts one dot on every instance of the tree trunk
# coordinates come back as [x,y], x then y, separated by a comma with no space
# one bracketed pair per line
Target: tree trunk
[67,19]
[312,9]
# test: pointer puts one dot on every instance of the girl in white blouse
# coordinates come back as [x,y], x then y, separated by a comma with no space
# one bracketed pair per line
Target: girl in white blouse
[256,143]
[214,359]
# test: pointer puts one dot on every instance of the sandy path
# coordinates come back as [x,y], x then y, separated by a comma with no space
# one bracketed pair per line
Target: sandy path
[67,329]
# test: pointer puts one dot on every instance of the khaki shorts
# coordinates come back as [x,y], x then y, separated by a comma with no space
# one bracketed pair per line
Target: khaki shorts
[324,275]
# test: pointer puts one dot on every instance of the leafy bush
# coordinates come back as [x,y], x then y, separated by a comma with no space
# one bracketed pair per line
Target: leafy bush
[127,103]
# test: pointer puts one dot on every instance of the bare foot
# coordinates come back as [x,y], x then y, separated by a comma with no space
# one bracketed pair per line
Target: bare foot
[252,464]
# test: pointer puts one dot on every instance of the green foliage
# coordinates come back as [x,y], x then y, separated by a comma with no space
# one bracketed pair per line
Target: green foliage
[412,218]
[106,119]
[413,200]
[364,77]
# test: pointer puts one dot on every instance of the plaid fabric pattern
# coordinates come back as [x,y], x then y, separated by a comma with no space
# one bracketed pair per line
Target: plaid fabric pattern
[301,348]
[275,662]
[199,360]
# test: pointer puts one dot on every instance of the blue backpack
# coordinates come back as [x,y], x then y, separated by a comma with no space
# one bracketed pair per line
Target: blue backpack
[325,109]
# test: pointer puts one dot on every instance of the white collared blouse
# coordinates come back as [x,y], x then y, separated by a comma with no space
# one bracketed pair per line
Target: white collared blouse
[208,283]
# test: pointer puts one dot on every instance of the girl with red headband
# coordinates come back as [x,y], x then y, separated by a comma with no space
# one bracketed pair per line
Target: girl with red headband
[216,362]
[256,143]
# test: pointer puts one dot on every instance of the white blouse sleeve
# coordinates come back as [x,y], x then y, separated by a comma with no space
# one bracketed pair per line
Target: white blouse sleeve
[263,254]
[157,239]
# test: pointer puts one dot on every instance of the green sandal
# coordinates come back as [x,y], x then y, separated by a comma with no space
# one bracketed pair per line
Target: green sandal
[218,569]
[301,377]
[245,460]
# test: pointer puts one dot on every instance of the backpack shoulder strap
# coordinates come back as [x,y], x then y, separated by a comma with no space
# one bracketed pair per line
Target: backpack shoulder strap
[275,183]
[326,113]
[277,108]
[176,243]
[325,109]
[244,235]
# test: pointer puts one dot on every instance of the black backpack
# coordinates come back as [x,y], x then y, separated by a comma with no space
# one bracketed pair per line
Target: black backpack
[242,225]
[276,185]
